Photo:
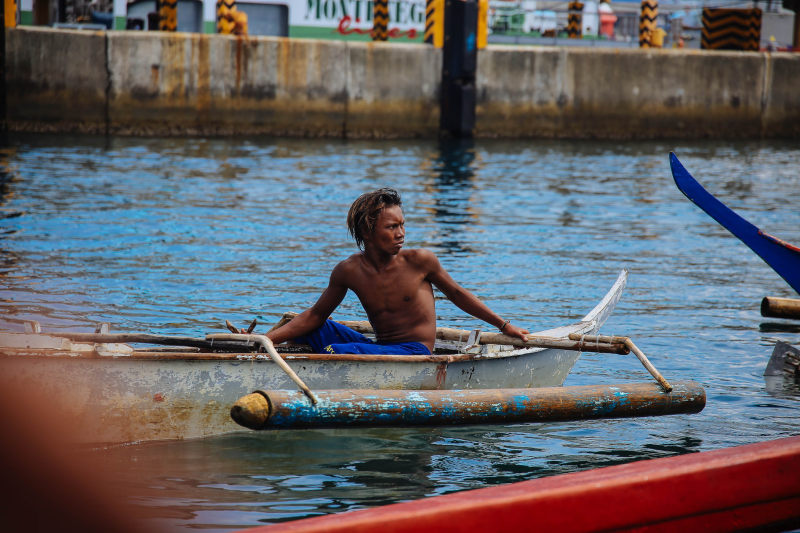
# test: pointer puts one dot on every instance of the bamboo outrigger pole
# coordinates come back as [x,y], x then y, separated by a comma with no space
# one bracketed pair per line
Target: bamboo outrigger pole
[577,342]
[640,355]
[266,343]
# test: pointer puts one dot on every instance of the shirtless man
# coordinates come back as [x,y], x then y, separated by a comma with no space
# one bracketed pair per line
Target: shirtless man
[393,285]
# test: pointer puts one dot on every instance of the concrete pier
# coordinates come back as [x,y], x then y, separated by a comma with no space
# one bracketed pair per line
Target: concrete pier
[154,83]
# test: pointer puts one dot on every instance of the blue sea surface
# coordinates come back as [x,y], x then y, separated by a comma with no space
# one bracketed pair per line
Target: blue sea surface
[174,236]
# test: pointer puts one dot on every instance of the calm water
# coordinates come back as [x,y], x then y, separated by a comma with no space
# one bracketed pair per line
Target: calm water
[175,236]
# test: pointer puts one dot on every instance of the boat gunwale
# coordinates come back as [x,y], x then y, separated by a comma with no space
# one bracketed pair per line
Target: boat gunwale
[591,322]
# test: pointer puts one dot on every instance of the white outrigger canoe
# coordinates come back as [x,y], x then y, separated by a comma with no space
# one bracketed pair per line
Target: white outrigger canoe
[115,393]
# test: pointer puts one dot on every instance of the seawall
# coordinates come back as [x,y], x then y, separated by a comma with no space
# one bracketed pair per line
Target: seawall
[154,83]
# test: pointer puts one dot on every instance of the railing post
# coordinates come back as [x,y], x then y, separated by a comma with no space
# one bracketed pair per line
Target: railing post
[167,15]
[647,22]
[380,20]
[434,22]
[575,20]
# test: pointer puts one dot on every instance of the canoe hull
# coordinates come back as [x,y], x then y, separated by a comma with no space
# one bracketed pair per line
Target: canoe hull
[124,399]
[159,396]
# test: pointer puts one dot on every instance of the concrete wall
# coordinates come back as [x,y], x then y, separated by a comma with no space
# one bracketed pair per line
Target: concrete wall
[587,93]
[56,80]
[149,83]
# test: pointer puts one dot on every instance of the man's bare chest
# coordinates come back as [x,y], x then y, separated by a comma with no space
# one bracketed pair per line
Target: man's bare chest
[391,290]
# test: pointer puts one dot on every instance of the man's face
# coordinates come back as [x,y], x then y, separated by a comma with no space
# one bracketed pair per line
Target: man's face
[389,233]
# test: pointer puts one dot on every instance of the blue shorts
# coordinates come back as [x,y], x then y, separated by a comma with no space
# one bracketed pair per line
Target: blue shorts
[333,337]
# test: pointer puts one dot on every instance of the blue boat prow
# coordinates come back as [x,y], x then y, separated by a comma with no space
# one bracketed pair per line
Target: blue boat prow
[783,257]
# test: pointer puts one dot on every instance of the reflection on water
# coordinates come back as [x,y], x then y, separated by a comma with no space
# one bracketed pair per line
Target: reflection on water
[451,195]
[176,236]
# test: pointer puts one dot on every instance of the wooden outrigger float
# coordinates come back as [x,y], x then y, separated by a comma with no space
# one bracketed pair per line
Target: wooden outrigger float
[290,409]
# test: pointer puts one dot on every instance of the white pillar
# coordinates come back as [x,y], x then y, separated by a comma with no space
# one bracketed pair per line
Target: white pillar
[209,16]
[529,9]
[120,14]
[26,12]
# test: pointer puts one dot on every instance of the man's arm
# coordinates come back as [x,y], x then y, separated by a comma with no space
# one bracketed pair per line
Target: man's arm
[465,300]
[313,317]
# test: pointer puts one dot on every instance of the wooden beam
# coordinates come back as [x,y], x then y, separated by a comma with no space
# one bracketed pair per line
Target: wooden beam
[346,408]
[780,307]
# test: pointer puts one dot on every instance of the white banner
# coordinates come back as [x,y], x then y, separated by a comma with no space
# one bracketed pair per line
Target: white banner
[354,15]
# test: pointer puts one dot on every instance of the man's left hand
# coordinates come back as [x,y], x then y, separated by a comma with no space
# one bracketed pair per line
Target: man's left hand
[513,331]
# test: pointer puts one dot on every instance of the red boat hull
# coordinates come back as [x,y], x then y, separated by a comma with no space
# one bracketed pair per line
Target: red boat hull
[755,486]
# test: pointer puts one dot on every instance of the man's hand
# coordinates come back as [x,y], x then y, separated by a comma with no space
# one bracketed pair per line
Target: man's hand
[513,331]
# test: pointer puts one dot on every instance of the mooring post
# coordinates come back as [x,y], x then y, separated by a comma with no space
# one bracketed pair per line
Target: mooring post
[3,75]
[459,65]
[3,125]
[794,5]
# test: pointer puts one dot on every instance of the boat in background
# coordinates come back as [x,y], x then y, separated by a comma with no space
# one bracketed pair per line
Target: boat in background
[784,258]
[114,393]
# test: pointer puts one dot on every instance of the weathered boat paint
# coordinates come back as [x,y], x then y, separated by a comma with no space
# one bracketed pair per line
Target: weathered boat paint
[291,409]
[177,395]
[782,375]
[745,488]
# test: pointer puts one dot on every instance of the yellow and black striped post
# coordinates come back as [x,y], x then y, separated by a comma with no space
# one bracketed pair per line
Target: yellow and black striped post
[483,24]
[226,22]
[731,29]
[575,20]
[380,20]
[10,13]
[167,15]
[647,22]
[223,8]
[434,22]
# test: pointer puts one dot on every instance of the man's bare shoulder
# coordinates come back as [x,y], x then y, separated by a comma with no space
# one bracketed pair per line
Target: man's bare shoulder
[348,266]
[420,257]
